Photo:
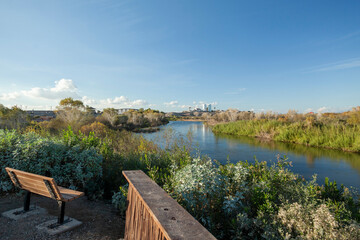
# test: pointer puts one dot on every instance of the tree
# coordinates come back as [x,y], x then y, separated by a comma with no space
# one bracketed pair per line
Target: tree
[111,116]
[232,114]
[73,113]
[71,103]
[13,118]
[354,116]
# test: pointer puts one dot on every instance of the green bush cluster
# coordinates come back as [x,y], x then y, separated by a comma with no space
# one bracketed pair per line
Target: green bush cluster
[331,135]
[72,164]
[91,162]
[257,201]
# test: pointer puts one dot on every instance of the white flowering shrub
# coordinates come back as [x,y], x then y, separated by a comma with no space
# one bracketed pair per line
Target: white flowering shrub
[255,201]
[200,187]
[313,222]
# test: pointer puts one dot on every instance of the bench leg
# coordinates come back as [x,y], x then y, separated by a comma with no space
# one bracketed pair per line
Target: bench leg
[27,201]
[62,213]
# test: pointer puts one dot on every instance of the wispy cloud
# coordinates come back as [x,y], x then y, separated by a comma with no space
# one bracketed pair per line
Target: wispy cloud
[347,64]
[308,110]
[171,103]
[116,102]
[349,35]
[322,109]
[236,91]
[123,102]
[338,39]
[334,109]
[185,106]
[10,96]
[257,109]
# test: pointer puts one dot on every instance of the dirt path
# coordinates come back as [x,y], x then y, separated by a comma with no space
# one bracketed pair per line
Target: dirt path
[99,219]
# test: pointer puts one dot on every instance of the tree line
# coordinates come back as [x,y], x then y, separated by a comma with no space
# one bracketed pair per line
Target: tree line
[78,116]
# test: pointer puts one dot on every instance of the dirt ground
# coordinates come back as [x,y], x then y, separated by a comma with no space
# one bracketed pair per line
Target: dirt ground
[99,220]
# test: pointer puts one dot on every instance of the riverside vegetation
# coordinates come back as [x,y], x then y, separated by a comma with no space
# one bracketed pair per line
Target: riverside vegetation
[337,131]
[233,201]
[74,113]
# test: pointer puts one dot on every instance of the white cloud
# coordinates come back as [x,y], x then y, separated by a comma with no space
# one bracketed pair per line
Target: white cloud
[322,109]
[116,102]
[123,102]
[308,110]
[88,101]
[10,96]
[66,88]
[63,88]
[185,106]
[171,103]
[257,110]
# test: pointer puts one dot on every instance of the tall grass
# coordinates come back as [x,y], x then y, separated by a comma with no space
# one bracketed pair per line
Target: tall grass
[331,135]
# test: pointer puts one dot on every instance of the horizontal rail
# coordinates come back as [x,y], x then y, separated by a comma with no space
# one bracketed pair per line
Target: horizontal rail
[153,214]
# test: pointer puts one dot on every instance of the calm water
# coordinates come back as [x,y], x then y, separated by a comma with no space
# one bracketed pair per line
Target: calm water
[340,166]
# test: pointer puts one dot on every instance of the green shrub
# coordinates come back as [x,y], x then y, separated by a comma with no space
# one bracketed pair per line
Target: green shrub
[119,199]
[257,201]
[71,165]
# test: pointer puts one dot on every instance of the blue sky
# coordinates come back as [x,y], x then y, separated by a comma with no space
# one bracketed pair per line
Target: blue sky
[169,55]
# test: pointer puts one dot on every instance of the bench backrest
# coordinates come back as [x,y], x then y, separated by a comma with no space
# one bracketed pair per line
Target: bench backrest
[38,184]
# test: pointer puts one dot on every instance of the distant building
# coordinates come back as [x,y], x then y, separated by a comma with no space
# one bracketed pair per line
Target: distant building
[204,107]
[124,110]
[209,108]
[41,113]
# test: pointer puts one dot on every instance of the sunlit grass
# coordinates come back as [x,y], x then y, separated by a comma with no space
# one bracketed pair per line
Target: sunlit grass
[332,135]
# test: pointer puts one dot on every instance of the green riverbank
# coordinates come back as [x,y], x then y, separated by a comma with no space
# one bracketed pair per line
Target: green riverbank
[344,137]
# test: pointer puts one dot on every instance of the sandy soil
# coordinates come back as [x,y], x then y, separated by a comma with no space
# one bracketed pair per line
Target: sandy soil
[100,220]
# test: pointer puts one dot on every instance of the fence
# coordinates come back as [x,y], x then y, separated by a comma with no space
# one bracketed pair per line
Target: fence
[153,215]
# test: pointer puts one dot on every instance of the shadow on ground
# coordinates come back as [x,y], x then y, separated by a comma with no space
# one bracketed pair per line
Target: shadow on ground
[99,219]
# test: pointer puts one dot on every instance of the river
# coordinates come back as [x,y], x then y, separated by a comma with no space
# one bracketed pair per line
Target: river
[343,167]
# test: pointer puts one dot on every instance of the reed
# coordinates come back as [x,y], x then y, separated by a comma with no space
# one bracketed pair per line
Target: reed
[340,136]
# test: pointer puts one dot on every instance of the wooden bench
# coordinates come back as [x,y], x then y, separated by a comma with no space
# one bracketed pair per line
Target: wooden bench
[44,186]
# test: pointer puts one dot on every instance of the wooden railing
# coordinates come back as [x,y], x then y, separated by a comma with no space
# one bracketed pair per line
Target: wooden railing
[153,214]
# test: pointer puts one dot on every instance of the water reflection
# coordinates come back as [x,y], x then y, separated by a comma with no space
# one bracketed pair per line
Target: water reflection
[310,153]
[344,167]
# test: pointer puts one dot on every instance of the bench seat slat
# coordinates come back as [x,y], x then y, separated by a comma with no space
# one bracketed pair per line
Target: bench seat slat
[69,194]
